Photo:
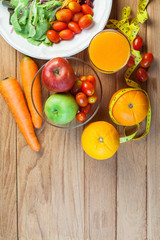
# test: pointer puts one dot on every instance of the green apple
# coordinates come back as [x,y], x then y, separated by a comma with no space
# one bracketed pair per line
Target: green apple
[61,108]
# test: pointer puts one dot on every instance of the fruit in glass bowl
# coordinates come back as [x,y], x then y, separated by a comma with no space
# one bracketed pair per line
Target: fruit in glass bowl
[81,68]
[58,75]
[61,108]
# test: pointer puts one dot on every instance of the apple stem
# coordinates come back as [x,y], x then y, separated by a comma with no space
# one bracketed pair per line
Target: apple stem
[55,112]
[56,71]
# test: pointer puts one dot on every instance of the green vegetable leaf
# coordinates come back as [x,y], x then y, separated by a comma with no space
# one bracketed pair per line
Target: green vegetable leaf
[31,19]
[34,42]
[15,23]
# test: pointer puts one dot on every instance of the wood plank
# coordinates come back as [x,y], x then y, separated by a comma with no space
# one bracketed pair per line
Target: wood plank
[8,215]
[153,151]
[33,182]
[100,176]
[131,170]
[51,185]
[66,183]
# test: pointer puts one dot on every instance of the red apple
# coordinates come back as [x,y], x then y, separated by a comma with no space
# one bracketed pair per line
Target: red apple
[58,75]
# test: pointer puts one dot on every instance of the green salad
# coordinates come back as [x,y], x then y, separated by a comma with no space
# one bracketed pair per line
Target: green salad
[31,18]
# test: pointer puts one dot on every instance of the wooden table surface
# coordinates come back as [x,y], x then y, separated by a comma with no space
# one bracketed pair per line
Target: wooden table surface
[62,194]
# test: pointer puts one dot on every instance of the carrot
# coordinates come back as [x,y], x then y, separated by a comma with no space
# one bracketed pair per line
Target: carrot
[13,95]
[28,69]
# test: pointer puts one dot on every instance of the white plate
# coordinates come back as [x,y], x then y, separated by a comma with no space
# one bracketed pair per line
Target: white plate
[102,9]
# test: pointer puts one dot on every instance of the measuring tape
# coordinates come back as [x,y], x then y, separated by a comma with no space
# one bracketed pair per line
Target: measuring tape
[131,30]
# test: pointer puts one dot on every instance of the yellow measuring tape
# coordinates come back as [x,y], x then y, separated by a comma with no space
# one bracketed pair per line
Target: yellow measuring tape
[131,30]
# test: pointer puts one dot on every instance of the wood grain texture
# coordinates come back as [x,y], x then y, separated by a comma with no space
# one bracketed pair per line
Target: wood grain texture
[66,171]
[66,185]
[8,208]
[153,150]
[50,184]
[100,176]
[33,183]
[100,182]
[131,168]
[62,194]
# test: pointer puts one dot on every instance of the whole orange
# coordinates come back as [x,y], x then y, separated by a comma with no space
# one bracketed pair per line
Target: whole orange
[130,108]
[100,140]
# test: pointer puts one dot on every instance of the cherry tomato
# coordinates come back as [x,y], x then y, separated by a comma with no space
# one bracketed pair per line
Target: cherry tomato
[82,78]
[137,43]
[141,75]
[59,26]
[91,79]
[81,99]
[131,62]
[64,15]
[74,27]
[85,109]
[147,60]
[85,21]
[74,6]
[76,87]
[53,36]
[86,9]
[77,16]
[92,99]
[66,34]
[81,117]
[88,88]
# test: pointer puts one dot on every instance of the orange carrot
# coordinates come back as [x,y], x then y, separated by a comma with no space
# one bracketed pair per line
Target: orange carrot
[28,70]
[13,95]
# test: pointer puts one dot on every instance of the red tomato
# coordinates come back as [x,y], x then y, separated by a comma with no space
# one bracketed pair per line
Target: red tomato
[85,109]
[85,21]
[77,16]
[82,78]
[131,62]
[66,34]
[86,9]
[147,60]
[59,26]
[137,43]
[92,99]
[91,79]
[64,15]
[53,36]
[76,87]
[74,6]
[141,75]
[81,117]
[74,27]
[81,99]
[88,88]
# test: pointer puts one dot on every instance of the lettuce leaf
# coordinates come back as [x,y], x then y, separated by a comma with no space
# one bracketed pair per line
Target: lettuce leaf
[31,19]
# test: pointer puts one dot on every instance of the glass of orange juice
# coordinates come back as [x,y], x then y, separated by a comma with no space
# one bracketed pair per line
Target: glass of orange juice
[109,51]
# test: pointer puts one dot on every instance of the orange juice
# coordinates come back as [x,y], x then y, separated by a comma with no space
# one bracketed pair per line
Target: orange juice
[109,51]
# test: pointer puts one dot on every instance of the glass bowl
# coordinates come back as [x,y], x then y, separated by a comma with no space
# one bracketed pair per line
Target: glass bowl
[81,68]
